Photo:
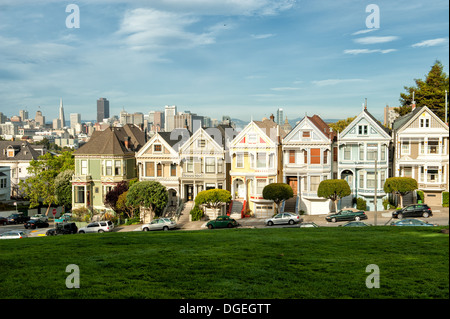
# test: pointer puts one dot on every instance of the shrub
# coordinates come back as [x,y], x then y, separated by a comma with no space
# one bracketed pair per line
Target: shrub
[361,204]
[420,196]
[196,213]
[445,199]
[81,214]
[386,203]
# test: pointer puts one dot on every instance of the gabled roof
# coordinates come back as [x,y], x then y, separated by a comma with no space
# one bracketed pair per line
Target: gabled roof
[365,113]
[112,141]
[23,151]
[269,128]
[317,121]
[402,120]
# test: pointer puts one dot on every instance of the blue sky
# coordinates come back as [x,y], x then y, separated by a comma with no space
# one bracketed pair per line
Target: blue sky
[243,58]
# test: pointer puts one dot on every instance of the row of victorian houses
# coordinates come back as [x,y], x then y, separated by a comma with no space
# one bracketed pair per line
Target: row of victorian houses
[365,154]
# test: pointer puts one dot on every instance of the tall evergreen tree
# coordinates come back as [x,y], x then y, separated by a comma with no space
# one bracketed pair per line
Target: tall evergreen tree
[429,92]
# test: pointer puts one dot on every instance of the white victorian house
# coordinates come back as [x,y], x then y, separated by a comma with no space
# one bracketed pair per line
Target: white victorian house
[364,159]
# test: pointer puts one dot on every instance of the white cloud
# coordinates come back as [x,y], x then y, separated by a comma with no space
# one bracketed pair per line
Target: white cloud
[363,31]
[430,43]
[366,51]
[375,40]
[262,36]
[336,81]
[285,88]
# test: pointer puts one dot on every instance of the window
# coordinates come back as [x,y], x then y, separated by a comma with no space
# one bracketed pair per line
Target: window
[305,158]
[361,179]
[159,170]
[347,152]
[432,174]
[424,122]
[407,171]
[79,195]
[315,156]
[361,152]
[118,168]
[315,181]
[405,147]
[260,184]
[383,177]
[335,154]
[372,151]
[433,145]
[150,169]
[240,160]
[220,165]
[306,134]
[173,169]
[362,130]
[11,153]
[157,148]
[84,170]
[370,179]
[383,152]
[325,157]
[190,165]
[201,143]
[292,157]
[271,160]
[108,168]
[210,165]
[261,160]
[252,138]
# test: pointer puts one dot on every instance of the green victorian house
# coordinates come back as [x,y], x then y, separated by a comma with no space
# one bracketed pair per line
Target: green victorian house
[100,164]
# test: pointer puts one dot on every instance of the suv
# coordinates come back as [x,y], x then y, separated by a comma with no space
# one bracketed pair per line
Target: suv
[416,210]
[62,229]
[97,227]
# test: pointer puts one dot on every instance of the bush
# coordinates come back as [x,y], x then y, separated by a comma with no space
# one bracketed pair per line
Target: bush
[361,204]
[81,214]
[420,196]
[196,213]
[386,203]
[445,199]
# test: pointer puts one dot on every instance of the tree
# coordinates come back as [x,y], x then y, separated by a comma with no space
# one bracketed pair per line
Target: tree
[278,192]
[63,188]
[333,189]
[40,186]
[112,196]
[339,126]
[400,186]
[429,92]
[213,198]
[151,195]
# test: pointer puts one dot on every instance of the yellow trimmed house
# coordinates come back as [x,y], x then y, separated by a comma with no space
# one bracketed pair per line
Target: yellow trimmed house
[255,162]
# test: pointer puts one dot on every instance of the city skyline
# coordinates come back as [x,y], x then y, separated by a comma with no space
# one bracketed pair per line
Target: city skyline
[244,59]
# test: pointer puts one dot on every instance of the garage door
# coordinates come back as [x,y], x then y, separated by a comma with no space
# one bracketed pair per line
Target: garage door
[264,211]
[433,198]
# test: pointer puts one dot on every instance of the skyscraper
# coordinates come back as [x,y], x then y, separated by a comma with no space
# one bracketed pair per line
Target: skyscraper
[280,117]
[61,114]
[39,118]
[169,117]
[102,109]
[75,118]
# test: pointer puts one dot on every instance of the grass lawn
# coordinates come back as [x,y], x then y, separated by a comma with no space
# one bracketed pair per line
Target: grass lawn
[231,263]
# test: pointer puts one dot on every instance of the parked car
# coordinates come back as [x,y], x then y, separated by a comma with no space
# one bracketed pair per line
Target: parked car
[283,218]
[222,222]
[309,224]
[416,210]
[411,222]
[97,227]
[354,224]
[40,216]
[346,214]
[36,223]
[17,218]
[62,229]
[13,234]
[3,220]
[159,224]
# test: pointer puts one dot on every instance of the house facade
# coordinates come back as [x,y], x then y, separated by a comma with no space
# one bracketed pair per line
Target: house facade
[421,142]
[5,183]
[256,161]
[364,147]
[309,157]
[100,164]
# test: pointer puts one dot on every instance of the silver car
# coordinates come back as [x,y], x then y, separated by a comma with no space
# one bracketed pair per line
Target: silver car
[97,227]
[159,224]
[283,218]
[13,234]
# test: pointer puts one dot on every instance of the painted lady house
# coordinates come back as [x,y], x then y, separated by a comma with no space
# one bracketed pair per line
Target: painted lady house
[422,152]
[364,147]
[309,157]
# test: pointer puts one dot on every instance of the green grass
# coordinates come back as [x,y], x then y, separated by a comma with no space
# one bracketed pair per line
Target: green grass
[231,263]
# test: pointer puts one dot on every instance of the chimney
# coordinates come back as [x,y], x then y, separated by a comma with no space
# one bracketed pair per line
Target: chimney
[365,105]
[127,142]
[272,118]
[413,103]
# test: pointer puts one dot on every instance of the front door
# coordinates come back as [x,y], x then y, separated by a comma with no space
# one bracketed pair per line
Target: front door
[292,181]
[189,193]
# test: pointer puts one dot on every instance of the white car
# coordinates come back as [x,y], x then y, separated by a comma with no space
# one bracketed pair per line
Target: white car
[159,224]
[41,217]
[97,227]
[13,234]
[283,218]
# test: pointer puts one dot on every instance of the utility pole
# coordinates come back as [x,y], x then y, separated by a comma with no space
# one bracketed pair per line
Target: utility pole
[446,122]
[375,197]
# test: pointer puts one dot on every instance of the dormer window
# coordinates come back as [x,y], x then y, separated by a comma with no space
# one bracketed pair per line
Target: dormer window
[306,134]
[11,153]
[362,130]
[157,148]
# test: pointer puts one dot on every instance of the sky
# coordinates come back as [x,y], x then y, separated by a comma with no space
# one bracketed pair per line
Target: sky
[241,58]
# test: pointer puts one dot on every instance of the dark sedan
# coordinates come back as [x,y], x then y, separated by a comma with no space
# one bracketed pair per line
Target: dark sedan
[346,214]
[3,220]
[36,223]
[416,210]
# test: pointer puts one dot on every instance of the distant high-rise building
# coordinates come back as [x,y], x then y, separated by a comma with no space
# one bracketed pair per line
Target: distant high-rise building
[75,118]
[39,118]
[56,124]
[102,109]
[169,117]
[280,116]
[389,116]
[61,114]
[23,115]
